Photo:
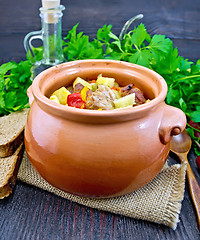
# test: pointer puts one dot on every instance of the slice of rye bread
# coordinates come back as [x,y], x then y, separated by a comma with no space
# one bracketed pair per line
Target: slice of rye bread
[9,167]
[12,132]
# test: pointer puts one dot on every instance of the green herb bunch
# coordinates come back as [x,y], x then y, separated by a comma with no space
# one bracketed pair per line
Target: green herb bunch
[137,46]
[14,81]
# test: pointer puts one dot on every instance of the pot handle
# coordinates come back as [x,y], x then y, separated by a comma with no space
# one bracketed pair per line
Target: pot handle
[30,95]
[173,123]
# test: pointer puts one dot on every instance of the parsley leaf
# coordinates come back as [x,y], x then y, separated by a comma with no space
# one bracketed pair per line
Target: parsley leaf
[160,44]
[142,57]
[4,68]
[14,81]
[139,35]
[195,116]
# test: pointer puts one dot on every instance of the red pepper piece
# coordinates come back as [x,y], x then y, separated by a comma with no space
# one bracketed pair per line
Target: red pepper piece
[195,125]
[198,161]
[75,100]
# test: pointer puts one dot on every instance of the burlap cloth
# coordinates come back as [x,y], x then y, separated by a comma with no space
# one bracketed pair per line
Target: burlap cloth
[159,201]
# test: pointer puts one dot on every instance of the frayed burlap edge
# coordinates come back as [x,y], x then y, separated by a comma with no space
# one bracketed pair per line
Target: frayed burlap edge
[175,201]
[159,201]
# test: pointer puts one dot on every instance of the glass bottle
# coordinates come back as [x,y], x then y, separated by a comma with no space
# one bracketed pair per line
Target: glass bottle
[51,35]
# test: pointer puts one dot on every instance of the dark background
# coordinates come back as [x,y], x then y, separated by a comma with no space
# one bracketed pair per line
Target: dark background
[177,19]
[31,213]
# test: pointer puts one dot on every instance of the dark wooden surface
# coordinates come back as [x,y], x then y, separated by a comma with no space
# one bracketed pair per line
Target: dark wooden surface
[31,213]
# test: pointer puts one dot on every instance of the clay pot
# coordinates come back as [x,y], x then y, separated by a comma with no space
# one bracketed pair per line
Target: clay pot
[100,153]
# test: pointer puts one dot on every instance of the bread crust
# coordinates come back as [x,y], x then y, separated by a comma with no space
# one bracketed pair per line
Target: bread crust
[10,181]
[12,132]
[9,148]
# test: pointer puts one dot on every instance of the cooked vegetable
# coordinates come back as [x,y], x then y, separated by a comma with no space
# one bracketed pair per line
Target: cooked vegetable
[54,98]
[75,100]
[125,102]
[61,95]
[116,92]
[94,86]
[109,82]
[129,89]
[102,97]
[83,82]
[84,93]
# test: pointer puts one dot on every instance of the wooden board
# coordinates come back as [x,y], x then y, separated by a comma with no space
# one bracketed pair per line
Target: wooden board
[31,213]
[178,20]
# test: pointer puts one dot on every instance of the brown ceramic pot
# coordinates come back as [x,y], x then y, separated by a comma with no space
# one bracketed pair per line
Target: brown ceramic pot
[100,153]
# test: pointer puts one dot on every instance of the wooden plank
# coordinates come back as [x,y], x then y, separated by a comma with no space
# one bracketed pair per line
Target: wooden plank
[178,20]
[31,213]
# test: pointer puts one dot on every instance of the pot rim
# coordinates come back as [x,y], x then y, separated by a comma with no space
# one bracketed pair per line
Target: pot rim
[62,110]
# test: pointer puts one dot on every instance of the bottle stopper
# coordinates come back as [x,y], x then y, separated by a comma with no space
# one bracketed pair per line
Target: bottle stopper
[50,3]
[50,16]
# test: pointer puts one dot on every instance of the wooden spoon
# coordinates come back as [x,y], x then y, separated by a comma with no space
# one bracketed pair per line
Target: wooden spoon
[180,145]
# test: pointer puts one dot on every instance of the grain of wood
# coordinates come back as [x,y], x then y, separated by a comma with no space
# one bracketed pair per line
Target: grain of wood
[31,213]
[178,20]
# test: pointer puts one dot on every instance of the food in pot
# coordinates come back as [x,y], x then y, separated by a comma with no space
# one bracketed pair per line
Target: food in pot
[101,94]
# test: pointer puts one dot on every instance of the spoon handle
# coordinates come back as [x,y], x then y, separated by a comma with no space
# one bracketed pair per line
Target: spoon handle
[194,189]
